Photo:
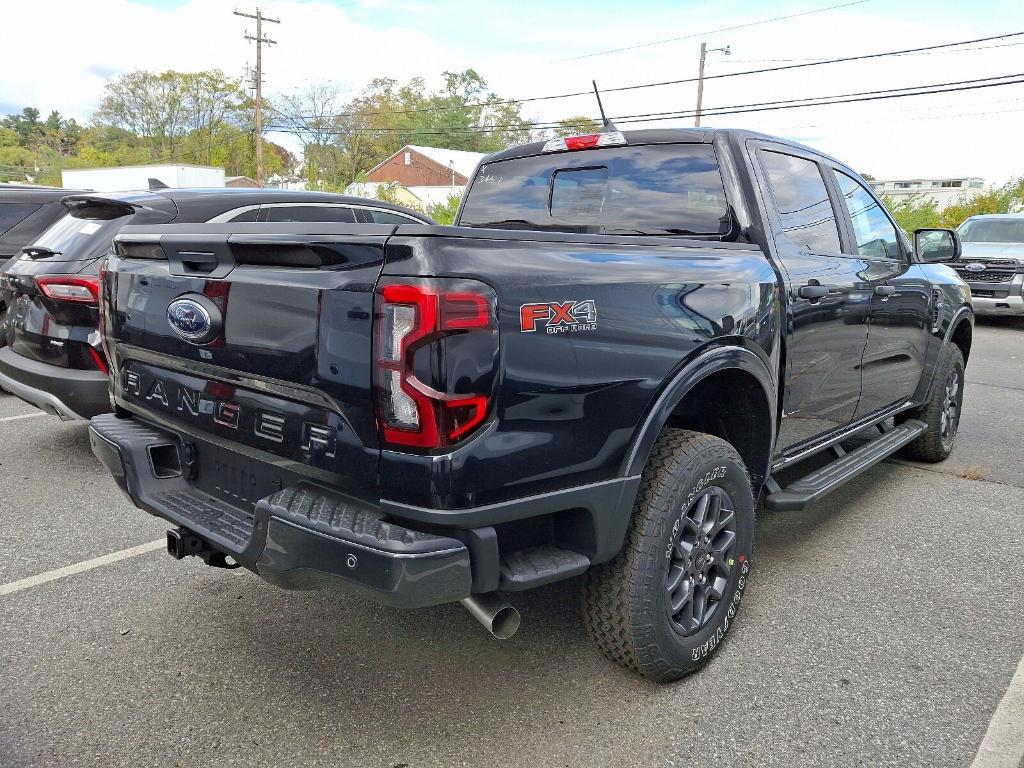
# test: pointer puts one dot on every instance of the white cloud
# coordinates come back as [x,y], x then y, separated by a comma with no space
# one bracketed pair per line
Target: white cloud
[522,54]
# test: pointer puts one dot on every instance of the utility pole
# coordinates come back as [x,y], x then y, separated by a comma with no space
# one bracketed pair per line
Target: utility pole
[260,41]
[700,76]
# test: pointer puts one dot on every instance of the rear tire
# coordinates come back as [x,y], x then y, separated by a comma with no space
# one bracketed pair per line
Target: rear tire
[665,603]
[942,411]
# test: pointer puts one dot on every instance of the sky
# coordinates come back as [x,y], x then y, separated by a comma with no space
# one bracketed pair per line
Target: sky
[533,48]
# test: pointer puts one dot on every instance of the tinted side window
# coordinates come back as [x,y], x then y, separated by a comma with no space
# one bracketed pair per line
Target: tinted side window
[324,213]
[383,217]
[249,215]
[802,201]
[876,236]
[12,213]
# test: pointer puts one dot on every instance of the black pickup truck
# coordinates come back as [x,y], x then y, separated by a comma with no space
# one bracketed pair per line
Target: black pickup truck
[626,341]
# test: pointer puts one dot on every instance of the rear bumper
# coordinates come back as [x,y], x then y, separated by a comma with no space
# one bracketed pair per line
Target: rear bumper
[300,537]
[68,393]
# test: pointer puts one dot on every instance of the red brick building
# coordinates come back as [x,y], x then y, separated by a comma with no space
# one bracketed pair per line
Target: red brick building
[417,166]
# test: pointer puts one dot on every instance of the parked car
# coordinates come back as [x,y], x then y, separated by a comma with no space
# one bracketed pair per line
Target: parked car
[25,211]
[53,358]
[993,262]
[627,339]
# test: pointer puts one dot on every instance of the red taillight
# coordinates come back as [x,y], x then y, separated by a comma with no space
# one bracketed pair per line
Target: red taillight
[410,316]
[72,288]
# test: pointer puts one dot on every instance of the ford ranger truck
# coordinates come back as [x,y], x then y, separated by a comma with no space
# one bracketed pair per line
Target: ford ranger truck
[627,339]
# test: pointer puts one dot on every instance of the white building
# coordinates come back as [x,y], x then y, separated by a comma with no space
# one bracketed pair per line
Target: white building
[420,197]
[142,177]
[942,191]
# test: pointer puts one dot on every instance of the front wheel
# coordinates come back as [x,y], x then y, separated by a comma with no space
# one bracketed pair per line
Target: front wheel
[666,602]
[941,413]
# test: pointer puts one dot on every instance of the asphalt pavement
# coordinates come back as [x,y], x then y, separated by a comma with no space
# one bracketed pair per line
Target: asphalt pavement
[882,627]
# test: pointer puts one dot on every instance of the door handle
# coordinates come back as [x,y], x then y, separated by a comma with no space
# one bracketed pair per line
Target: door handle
[885,290]
[813,292]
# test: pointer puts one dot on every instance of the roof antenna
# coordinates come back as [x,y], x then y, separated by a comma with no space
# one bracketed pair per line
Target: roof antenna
[607,126]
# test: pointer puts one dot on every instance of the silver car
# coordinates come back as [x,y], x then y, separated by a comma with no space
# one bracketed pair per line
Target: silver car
[993,262]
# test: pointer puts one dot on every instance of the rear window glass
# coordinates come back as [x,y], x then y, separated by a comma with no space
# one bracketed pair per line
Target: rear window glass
[668,189]
[72,239]
[12,213]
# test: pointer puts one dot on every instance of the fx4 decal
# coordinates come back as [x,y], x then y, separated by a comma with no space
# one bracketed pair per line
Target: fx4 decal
[559,316]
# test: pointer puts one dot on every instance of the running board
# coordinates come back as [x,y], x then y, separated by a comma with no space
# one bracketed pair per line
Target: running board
[798,495]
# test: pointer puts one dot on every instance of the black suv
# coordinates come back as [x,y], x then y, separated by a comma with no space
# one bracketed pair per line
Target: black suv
[25,212]
[48,293]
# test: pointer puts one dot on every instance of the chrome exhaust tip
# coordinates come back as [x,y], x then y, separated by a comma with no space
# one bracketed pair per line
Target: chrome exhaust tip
[497,617]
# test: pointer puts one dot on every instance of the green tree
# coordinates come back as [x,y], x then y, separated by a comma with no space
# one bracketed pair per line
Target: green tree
[26,125]
[997,200]
[914,212]
[444,213]
[573,126]
[164,108]
[342,139]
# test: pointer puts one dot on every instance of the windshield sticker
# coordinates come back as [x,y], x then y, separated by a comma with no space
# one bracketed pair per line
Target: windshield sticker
[89,228]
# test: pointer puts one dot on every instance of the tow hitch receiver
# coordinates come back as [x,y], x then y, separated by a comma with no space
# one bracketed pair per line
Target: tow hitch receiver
[182,543]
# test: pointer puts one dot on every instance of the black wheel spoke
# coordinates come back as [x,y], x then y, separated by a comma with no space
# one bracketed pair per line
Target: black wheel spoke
[725,519]
[682,597]
[715,588]
[682,550]
[700,511]
[723,545]
[700,604]
[675,577]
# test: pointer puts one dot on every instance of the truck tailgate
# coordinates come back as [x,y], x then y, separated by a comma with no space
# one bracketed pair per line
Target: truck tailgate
[254,341]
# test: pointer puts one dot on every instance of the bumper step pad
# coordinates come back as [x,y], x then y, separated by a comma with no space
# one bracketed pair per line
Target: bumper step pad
[207,515]
[535,566]
[800,493]
[320,511]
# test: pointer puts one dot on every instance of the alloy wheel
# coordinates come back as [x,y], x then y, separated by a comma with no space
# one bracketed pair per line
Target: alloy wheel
[701,561]
[949,418]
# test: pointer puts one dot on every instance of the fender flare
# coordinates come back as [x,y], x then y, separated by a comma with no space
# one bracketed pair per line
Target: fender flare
[964,310]
[963,314]
[705,364]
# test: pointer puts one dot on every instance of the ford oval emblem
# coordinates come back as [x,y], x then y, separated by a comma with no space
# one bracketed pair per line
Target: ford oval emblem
[975,267]
[196,319]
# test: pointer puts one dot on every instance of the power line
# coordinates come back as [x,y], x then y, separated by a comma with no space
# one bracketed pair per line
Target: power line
[812,101]
[621,88]
[710,32]
[831,96]
[911,53]
[862,57]
[826,103]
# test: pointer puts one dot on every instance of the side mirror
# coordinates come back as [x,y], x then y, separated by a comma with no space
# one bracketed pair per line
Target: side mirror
[933,246]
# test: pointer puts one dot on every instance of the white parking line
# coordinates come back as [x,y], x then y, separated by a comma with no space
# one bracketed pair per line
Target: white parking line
[1003,745]
[86,565]
[22,416]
